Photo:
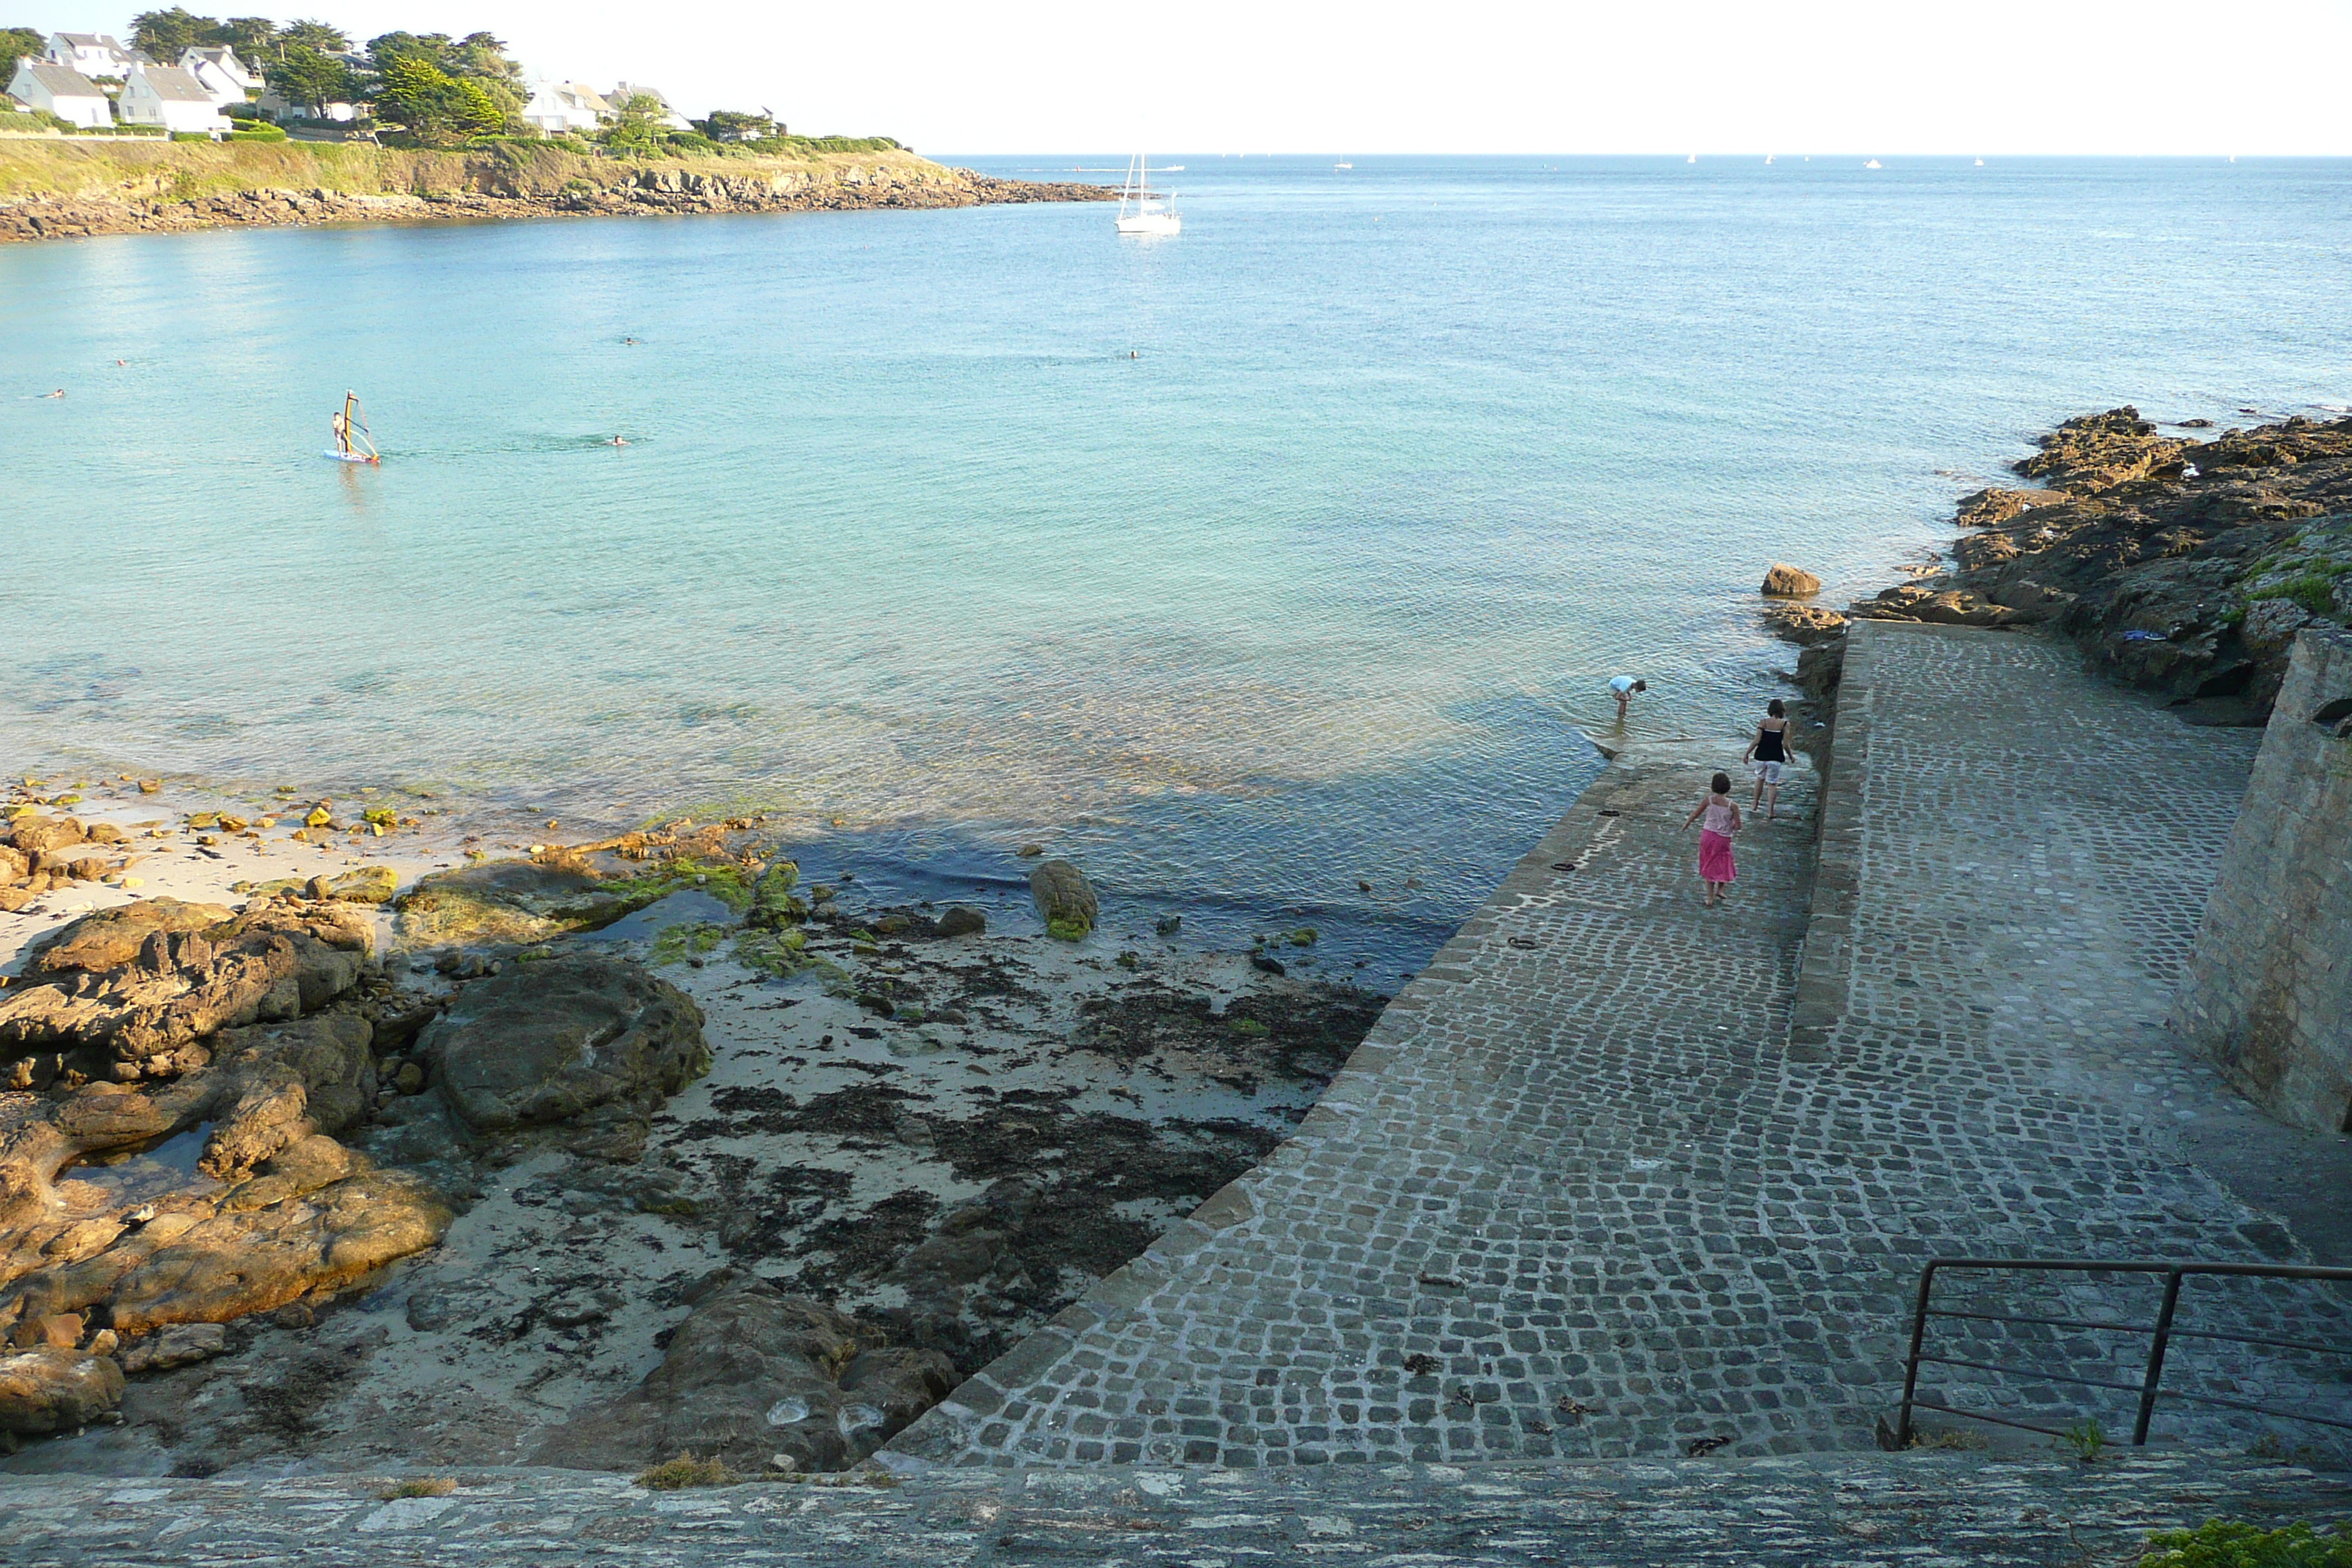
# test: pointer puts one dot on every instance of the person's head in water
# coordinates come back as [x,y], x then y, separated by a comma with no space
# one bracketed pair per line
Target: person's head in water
[1641,686]
[1722,784]
[1776,708]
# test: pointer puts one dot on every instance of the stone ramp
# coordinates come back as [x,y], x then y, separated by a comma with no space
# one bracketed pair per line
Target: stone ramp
[1590,1189]
[1807,1512]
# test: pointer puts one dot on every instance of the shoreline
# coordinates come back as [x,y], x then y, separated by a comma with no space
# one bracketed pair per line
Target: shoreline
[62,191]
[973,1127]
[2181,563]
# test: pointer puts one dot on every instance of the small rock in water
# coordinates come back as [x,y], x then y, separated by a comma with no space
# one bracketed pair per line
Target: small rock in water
[1168,925]
[1785,581]
[1065,899]
[1269,966]
[963,920]
[1030,851]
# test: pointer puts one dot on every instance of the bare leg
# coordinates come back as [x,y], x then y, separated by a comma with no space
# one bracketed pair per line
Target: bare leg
[1773,807]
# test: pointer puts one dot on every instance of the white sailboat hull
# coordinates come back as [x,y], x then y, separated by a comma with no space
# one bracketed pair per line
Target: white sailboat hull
[1141,209]
[1150,223]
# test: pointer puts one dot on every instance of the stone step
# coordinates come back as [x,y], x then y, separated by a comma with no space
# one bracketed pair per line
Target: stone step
[1802,1512]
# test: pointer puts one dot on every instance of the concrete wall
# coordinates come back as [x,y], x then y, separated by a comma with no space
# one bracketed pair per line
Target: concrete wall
[2269,990]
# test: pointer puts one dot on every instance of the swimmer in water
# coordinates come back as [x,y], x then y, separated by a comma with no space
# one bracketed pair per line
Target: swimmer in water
[617,441]
[60,392]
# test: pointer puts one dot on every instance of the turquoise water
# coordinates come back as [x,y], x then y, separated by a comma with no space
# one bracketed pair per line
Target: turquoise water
[1244,566]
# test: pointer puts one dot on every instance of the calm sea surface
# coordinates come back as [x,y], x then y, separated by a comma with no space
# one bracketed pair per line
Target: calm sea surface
[1243,566]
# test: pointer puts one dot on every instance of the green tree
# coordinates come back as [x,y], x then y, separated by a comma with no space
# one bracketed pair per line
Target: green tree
[17,44]
[728,124]
[431,105]
[251,37]
[303,76]
[637,124]
[312,34]
[164,34]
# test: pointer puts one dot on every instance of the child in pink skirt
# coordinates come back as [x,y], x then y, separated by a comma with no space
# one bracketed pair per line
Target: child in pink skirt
[1722,820]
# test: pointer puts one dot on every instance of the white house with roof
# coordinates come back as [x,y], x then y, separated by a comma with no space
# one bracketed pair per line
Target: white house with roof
[221,73]
[63,91]
[168,96]
[624,91]
[556,106]
[92,54]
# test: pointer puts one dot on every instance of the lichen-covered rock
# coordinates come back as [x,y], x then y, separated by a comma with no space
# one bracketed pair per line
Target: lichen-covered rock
[1065,898]
[501,902]
[753,1375]
[49,1390]
[546,1041]
[774,905]
[248,1248]
[37,833]
[1782,581]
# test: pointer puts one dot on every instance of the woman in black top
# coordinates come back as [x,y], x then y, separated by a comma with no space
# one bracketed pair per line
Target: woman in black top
[1768,753]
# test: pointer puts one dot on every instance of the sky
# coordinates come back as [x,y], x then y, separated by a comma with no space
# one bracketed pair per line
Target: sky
[1989,77]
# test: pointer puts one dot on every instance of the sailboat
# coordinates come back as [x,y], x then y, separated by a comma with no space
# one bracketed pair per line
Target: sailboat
[352,442]
[1141,209]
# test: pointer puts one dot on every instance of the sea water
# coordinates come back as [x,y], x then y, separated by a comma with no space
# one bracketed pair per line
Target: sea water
[1248,567]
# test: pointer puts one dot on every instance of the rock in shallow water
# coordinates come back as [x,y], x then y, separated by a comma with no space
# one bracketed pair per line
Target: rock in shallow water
[1065,898]
[1786,581]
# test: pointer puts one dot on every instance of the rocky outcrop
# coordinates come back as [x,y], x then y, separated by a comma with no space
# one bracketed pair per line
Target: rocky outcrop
[477,187]
[764,1382]
[551,1040]
[130,993]
[1065,898]
[1782,581]
[49,1390]
[2187,567]
[506,902]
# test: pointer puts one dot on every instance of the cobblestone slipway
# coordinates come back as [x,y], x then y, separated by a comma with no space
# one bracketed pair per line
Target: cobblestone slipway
[1616,1180]
[1589,1190]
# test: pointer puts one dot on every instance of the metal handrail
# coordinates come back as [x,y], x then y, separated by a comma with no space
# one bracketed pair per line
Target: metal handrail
[2162,1333]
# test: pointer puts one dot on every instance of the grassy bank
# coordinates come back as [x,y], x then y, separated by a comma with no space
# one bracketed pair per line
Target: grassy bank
[167,171]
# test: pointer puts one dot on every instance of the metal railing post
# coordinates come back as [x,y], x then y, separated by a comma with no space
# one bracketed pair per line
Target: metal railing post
[2155,1350]
[1911,1365]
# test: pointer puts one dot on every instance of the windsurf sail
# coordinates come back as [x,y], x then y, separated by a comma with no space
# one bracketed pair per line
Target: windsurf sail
[354,443]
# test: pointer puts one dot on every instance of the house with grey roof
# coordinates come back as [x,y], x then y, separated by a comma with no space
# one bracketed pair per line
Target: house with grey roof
[168,96]
[221,73]
[63,91]
[93,54]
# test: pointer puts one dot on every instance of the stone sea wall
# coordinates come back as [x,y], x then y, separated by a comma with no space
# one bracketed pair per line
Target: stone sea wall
[51,191]
[2270,986]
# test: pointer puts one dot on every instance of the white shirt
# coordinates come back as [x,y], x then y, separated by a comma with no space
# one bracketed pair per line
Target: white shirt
[1621,683]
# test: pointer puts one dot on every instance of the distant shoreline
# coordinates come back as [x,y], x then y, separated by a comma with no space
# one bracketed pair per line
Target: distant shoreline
[61,190]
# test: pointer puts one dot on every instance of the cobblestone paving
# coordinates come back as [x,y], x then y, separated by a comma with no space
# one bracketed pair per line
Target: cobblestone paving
[1583,1193]
[1916,1509]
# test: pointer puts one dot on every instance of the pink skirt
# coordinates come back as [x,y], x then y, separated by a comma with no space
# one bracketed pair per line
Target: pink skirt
[1714,857]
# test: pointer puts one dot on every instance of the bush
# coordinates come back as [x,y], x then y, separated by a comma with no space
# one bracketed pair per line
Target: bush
[191,136]
[2234,1543]
[686,1470]
[257,133]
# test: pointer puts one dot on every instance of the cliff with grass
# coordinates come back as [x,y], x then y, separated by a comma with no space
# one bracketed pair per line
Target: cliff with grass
[65,188]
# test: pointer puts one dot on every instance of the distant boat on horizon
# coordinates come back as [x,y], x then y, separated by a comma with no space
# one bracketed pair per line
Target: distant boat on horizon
[1343,166]
[1980,162]
[1874,164]
[1141,209]
[1768,157]
[1692,159]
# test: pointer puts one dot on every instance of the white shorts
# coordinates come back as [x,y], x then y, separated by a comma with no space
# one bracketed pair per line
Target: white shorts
[1766,773]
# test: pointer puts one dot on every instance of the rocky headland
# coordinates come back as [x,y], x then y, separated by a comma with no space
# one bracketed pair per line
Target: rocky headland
[59,190]
[2184,564]
[592,1156]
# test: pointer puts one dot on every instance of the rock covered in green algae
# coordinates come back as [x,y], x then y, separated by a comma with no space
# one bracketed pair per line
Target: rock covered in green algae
[773,906]
[1065,899]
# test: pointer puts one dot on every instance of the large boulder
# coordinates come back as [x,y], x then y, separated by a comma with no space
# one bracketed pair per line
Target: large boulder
[545,1041]
[762,1381]
[129,993]
[37,833]
[1065,898]
[49,1390]
[1782,581]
